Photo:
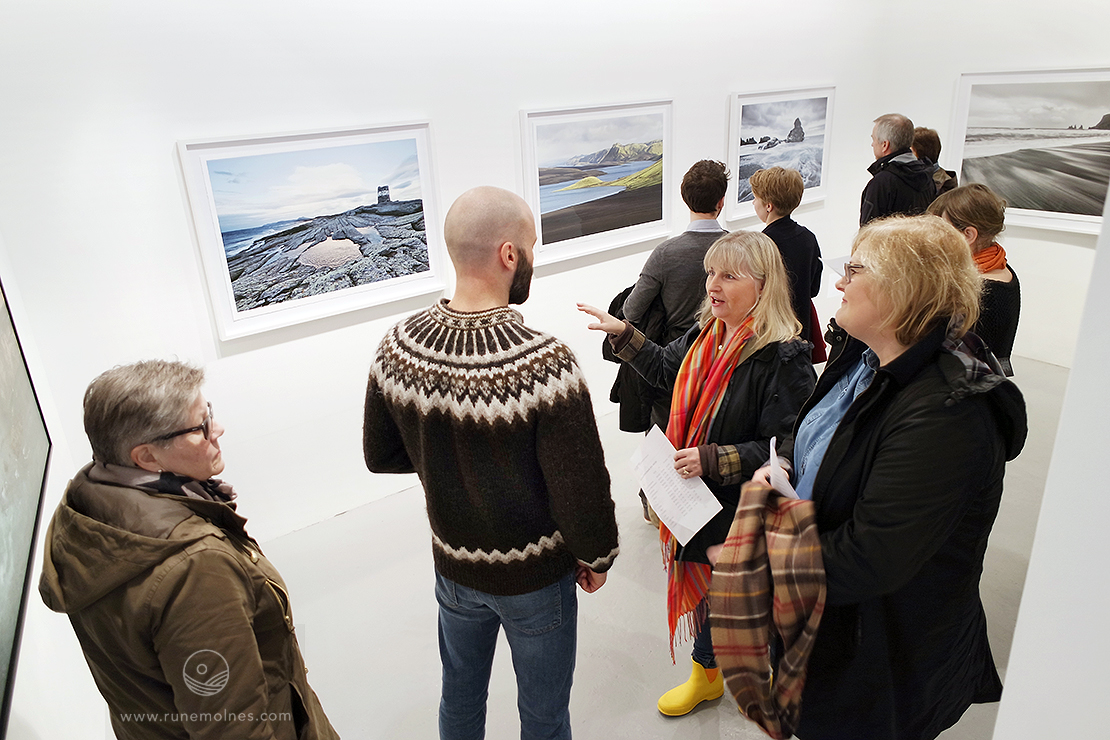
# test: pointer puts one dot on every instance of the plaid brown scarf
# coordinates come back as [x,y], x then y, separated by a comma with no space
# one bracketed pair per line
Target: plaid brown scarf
[769,575]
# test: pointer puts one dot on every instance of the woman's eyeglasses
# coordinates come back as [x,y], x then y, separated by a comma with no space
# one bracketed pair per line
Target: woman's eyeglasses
[204,427]
[851,269]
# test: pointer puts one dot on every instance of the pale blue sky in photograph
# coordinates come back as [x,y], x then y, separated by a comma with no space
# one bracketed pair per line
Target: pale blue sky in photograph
[1038,104]
[558,142]
[255,190]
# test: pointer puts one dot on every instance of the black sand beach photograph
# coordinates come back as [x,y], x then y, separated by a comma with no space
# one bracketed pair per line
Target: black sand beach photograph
[598,175]
[1043,146]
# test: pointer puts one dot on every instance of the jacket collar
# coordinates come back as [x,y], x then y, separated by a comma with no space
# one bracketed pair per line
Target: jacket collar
[907,365]
[902,369]
[780,225]
[900,157]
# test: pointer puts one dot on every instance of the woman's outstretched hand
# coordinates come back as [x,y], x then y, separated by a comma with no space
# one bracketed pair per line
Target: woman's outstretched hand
[605,322]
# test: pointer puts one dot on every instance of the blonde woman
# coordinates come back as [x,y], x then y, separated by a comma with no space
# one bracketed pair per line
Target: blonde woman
[738,379]
[902,448]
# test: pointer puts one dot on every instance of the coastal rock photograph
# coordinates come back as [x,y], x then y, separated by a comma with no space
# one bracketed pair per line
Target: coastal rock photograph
[329,253]
[599,175]
[781,133]
[1043,146]
[306,223]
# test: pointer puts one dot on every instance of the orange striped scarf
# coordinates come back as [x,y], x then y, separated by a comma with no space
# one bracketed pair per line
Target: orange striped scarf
[991,258]
[699,389]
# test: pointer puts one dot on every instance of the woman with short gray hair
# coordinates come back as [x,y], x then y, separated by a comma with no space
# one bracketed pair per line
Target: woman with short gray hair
[186,626]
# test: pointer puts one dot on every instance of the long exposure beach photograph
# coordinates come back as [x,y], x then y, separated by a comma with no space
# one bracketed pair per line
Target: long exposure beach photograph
[779,133]
[599,174]
[1043,146]
[297,224]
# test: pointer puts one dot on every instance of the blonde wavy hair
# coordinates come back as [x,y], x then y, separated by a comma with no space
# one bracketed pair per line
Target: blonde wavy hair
[923,273]
[754,254]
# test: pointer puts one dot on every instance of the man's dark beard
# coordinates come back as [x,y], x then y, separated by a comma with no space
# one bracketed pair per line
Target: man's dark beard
[522,280]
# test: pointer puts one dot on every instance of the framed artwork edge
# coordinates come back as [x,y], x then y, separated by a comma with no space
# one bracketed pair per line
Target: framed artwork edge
[232,324]
[595,243]
[1022,217]
[27,572]
[736,211]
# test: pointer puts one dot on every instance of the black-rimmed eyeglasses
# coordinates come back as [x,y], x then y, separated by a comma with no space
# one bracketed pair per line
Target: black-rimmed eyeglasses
[851,269]
[204,427]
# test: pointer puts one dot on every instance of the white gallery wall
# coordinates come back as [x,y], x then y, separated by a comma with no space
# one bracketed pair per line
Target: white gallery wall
[95,233]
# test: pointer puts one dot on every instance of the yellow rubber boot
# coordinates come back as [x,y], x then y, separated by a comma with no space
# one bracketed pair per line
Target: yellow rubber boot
[704,684]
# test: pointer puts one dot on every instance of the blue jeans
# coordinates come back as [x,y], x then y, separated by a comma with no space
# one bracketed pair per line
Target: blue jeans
[541,628]
[703,646]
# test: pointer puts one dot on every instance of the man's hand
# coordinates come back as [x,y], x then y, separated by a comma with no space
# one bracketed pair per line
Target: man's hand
[588,580]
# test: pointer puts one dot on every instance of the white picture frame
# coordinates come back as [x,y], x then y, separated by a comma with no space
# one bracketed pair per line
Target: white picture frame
[1010,131]
[297,227]
[759,119]
[574,168]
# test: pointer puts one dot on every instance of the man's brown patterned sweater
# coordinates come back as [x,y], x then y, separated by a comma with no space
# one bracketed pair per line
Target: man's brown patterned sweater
[496,419]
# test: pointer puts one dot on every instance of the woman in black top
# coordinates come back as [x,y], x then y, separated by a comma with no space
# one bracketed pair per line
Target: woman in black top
[978,214]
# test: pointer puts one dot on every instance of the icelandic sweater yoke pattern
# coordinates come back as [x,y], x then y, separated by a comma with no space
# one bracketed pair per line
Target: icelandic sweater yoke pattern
[497,421]
[485,366]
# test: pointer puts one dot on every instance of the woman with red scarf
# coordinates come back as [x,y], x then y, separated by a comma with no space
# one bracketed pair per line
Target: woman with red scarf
[739,378]
[979,215]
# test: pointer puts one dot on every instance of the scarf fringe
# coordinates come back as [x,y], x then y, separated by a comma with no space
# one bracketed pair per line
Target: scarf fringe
[687,593]
[699,390]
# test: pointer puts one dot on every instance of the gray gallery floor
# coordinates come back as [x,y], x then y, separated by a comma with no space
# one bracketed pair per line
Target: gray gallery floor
[361,585]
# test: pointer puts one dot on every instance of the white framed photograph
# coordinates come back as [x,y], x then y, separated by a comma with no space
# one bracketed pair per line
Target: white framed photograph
[787,128]
[1041,141]
[596,178]
[298,227]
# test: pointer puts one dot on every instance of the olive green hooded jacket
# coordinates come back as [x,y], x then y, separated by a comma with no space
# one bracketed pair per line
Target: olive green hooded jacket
[186,626]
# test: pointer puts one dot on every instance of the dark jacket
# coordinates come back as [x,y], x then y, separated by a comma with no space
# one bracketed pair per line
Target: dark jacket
[801,256]
[901,184]
[160,587]
[635,395]
[761,401]
[906,496]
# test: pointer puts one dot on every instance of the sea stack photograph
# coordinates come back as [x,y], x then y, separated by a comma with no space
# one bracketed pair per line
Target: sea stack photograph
[1043,146]
[781,133]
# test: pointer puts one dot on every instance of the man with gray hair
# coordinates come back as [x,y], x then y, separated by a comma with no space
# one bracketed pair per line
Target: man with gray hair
[496,420]
[900,183]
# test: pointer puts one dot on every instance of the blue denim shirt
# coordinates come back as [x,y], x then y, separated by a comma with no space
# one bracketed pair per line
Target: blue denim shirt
[816,430]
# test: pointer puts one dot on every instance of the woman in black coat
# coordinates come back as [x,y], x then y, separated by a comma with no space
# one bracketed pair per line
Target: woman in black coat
[738,378]
[902,448]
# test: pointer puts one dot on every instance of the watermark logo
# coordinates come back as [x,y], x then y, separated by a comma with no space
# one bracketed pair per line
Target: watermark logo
[206,672]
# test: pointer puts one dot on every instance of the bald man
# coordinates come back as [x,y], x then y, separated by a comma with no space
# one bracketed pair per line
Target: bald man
[496,420]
